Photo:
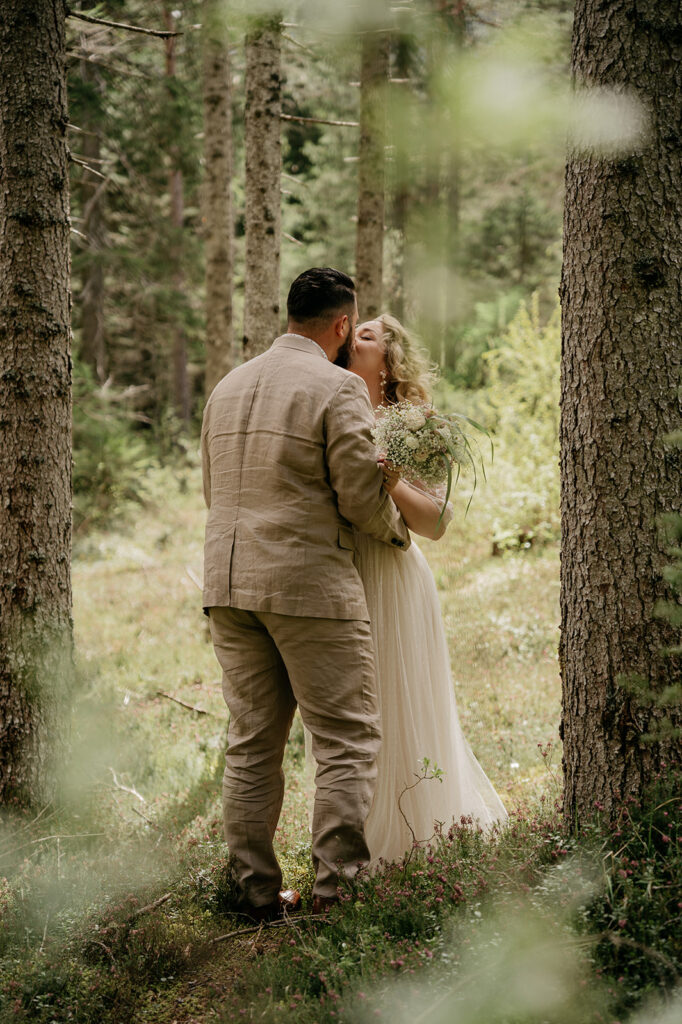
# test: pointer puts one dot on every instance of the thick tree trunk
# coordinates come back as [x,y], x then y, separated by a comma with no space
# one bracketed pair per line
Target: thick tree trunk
[217,198]
[181,390]
[622,357]
[35,399]
[263,171]
[93,346]
[369,256]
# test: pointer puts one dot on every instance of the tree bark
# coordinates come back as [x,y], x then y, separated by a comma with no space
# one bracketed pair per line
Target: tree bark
[622,356]
[35,399]
[93,345]
[217,198]
[403,185]
[181,390]
[369,257]
[263,171]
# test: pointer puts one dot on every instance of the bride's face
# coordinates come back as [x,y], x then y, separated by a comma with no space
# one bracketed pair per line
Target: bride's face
[369,354]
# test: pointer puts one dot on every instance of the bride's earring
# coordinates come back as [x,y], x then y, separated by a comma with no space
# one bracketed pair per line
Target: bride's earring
[383,377]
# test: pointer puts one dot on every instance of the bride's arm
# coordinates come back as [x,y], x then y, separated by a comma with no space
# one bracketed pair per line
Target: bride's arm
[421,511]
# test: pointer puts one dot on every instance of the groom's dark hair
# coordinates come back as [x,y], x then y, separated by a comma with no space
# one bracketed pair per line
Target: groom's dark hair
[318,293]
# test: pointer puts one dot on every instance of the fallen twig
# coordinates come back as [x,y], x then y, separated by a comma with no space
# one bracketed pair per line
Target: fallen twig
[183,704]
[126,789]
[287,922]
[150,906]
[148,820]
[76,835]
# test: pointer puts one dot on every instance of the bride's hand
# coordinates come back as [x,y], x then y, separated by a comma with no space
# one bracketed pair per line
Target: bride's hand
[391,475]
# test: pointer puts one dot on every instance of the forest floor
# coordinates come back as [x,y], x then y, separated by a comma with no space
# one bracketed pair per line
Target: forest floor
[117,904]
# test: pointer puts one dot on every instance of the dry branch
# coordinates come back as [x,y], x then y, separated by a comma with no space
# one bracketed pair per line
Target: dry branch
[190,707]
[150,906]
[117,24]
[319,120]
[126,789]
[287,922]
[82,163]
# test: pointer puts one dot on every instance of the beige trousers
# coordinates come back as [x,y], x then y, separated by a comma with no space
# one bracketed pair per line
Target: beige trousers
[271,663]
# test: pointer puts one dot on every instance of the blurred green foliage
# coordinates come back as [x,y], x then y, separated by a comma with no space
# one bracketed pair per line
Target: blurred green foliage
[521,406]
[111,460]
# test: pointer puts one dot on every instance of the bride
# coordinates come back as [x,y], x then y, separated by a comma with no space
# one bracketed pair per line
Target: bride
[416,696]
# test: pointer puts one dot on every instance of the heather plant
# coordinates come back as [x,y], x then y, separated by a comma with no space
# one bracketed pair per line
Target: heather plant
[636,918]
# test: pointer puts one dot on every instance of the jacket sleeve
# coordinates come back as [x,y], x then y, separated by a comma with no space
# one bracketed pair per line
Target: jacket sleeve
[354,475]
[205,460]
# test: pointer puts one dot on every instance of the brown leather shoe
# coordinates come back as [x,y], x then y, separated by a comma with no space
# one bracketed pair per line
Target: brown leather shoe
[323,904]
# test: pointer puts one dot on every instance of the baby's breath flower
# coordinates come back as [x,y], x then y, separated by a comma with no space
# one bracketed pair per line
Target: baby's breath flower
[414,419]
[422,443]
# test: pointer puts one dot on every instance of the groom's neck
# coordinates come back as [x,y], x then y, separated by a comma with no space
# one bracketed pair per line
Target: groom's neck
[325,337]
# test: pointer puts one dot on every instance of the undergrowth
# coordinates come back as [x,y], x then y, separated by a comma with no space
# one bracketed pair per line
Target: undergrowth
[600,912]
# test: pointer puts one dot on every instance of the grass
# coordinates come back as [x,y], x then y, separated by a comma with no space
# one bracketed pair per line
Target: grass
[114,903]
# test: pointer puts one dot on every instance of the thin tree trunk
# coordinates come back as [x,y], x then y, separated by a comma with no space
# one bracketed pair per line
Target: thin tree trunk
[181,393]
[217,198]
[369,257]
[402,196]
[35,399]
[263,172]
[622,358]
[92,347]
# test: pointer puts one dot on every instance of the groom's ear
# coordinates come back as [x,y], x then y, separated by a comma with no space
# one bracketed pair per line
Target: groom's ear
[340,325]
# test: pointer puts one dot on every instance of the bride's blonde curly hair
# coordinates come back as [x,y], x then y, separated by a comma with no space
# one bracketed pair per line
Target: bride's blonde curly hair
[410,376]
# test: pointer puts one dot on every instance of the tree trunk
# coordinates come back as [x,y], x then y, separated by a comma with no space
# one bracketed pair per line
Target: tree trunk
[35,399]
[369,257]
[181,393]
[622,356]
[217,198]
[403,173]
[263,170]
[92,347]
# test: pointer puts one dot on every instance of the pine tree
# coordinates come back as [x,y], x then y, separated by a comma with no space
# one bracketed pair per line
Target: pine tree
[217,196]
[181,386]
[35,398]
[621,368]
[262,186]
[369,259]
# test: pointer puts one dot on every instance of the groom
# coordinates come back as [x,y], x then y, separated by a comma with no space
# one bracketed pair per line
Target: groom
[289,467]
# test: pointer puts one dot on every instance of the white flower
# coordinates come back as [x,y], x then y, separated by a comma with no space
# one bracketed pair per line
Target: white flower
[414,419]
[411,442]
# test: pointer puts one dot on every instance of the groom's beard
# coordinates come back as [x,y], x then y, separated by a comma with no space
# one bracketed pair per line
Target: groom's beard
[344,354]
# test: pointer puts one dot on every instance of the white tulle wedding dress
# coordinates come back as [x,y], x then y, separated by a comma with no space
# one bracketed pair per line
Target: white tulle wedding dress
[418,709]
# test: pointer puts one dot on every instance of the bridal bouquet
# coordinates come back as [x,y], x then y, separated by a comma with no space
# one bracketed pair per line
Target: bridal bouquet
[424,445]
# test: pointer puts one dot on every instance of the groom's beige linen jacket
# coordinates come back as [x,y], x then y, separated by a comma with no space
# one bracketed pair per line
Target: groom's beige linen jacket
[289,467]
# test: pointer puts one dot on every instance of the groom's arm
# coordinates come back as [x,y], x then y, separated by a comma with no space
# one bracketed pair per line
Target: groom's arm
[355,477]
[205,459]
